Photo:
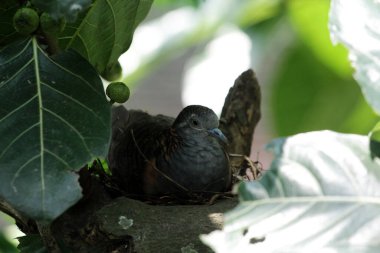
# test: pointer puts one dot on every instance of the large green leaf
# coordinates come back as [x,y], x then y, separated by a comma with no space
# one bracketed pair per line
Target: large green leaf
[310,19]
[307,96]
[321,194]
[54,119]
[356,25]
[106,31]
[69,9]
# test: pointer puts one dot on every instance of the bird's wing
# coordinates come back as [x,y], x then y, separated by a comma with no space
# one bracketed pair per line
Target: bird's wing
[136,140]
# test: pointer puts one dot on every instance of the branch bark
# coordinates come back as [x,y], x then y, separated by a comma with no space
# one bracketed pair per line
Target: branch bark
[240,115]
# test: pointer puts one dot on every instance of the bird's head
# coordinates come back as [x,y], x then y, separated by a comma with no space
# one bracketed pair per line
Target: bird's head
[198,120]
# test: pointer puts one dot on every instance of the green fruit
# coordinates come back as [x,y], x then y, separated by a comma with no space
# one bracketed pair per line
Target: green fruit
[25,20]
[50,25]
[118,92]
[113,72]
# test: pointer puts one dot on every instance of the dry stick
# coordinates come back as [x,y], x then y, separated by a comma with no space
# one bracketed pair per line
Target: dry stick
[252,165]
[154,166]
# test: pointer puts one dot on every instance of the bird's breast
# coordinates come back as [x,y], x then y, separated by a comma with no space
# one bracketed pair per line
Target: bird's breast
[194,166]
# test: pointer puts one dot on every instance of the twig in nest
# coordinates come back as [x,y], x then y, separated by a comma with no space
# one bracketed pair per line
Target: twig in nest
[249,170]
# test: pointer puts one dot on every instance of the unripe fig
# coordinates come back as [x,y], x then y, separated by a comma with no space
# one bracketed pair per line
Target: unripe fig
[50,25]
[113,72]
[25,20]
[118,92]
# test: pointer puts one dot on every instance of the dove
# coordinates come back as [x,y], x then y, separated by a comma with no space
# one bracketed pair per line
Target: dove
[161,156]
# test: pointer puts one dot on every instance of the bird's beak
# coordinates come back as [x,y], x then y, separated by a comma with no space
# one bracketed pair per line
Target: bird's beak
[218,134]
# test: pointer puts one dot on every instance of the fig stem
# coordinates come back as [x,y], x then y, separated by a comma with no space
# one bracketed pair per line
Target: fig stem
[53,45]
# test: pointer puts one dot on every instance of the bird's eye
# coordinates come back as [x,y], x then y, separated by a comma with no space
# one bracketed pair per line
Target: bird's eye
[195,122]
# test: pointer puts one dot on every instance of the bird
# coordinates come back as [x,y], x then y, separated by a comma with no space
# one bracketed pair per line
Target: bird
[164,156]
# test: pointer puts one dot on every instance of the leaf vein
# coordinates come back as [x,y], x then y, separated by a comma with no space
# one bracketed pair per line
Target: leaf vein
[77,76]
[58,158]
[16,74]
[330,224]
[83,139]
[41,119]
[18,108]
[18,171]
[23,50]
[17,138]
[75,101]
[114,27]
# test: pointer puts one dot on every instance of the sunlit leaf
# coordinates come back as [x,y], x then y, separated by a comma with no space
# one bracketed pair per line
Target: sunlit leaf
[54,119]
[356,25]
[321,194]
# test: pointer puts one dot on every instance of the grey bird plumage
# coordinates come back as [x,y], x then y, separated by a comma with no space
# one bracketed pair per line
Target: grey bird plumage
[160,155]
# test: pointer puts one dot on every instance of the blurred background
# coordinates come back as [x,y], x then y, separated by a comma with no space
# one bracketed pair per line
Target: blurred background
[191,51]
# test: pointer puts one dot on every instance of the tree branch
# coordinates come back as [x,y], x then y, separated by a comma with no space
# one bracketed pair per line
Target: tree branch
[25,224]
[241,113]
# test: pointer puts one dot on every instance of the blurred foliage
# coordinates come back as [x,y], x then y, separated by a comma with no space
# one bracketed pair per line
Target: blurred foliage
[308,80]
[313,88]
[177,3]
[309,19]
[374,144]
[307,95]
[6,246]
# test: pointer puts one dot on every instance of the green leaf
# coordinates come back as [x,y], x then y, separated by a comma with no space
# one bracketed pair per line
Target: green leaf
[307,96]
[321,194]
[54,118]
[310,19]
[253,12]
[6,246]
[106,31]
[69,9]
[31,243]
[7,33]
[355,25]
[375,133]
[375,141]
